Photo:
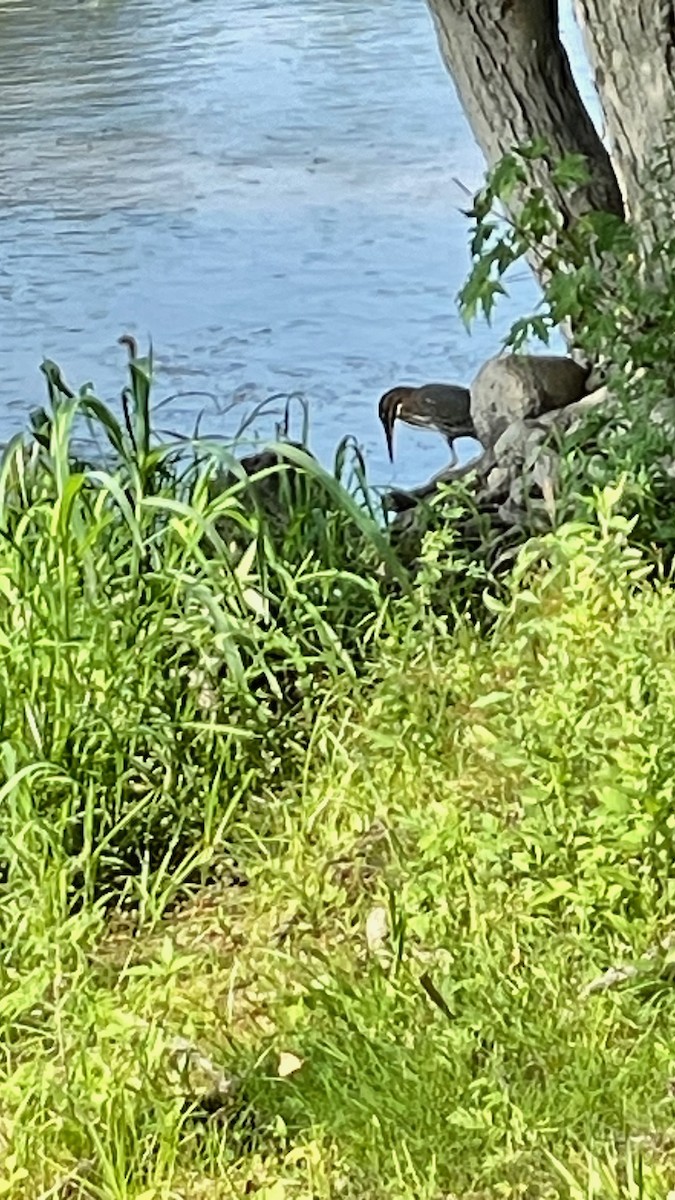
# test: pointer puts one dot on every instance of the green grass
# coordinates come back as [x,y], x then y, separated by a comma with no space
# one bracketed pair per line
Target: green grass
[310,884]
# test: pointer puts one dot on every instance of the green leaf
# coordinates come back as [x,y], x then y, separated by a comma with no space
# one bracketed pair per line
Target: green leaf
[490,699]
[571,170]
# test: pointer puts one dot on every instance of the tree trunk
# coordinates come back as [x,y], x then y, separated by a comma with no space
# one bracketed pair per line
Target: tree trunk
[515,84]
[631,47]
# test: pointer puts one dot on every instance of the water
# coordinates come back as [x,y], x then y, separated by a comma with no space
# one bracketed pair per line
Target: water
[266,187]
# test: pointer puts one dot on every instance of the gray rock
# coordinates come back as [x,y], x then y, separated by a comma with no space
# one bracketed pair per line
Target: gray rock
[497,482]
[509,449]
[513,387]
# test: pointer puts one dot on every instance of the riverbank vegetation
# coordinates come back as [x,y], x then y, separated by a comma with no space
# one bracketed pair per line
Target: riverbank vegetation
[323,875]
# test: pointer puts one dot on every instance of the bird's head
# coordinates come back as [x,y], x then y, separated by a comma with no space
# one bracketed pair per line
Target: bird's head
[389,409]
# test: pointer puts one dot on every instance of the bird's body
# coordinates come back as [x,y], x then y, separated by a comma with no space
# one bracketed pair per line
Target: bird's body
[439,406]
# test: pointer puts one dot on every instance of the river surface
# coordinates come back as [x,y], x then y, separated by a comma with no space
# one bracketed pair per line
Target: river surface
[268,189]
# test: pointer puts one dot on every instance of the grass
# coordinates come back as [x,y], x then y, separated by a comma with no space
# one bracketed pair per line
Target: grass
[312,886]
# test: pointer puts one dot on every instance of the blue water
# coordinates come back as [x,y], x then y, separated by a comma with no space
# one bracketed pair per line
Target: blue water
[267,189]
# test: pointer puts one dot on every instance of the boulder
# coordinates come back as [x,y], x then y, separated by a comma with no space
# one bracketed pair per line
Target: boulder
[514,387]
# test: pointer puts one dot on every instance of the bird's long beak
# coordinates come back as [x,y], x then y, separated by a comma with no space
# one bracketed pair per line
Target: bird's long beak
[388,414]
[389,432]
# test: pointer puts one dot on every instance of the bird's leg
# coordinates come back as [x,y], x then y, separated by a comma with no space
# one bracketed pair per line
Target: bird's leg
[451,472]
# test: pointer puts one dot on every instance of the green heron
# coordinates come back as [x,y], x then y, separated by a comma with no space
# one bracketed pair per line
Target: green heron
[438,406]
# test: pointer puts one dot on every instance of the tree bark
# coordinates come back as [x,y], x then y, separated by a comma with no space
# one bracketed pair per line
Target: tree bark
[514,82]
[631,47]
